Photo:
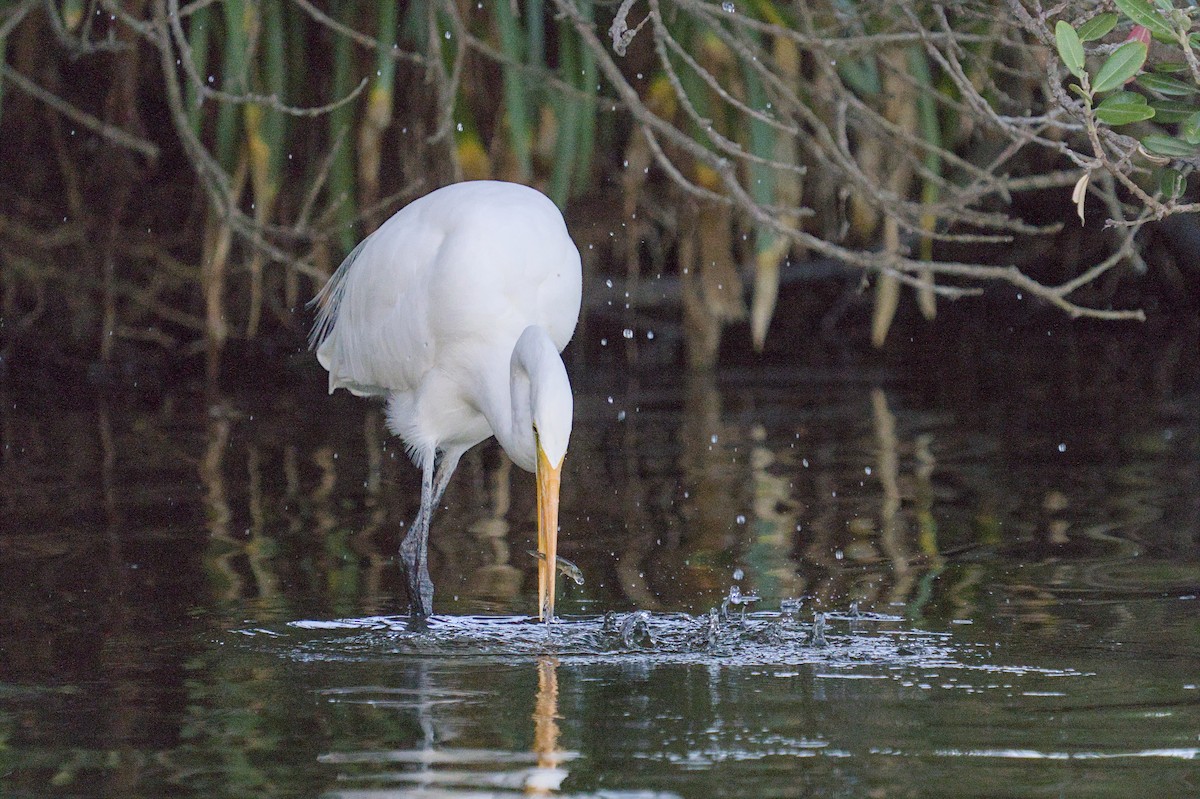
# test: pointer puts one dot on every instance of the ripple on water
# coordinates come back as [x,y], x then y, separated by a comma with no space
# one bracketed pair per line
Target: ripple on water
[837,641]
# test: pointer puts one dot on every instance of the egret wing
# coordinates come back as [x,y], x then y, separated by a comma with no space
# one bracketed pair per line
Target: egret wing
[372,330]
[452,279]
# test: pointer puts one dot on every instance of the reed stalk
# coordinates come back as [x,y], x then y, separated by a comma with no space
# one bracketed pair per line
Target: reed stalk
[517,91]
[199,28]
[930,130]
[234,80]
[266,131]
[378,114]
[341,121]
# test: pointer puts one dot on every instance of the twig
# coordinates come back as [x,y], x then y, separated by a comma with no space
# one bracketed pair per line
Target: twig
[112,133]
[15,15]
[622,35]
[653,126]
[363,39]
[78,46]
[270,101]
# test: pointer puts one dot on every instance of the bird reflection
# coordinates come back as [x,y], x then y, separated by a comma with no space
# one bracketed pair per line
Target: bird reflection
[439,760]
[548,776]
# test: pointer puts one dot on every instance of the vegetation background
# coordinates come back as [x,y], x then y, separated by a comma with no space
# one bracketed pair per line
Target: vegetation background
[179,178]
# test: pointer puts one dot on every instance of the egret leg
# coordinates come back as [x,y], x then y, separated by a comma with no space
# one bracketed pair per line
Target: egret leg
[414,549]
[445,468]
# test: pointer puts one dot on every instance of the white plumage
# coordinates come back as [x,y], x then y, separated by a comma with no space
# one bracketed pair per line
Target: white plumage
[455,310]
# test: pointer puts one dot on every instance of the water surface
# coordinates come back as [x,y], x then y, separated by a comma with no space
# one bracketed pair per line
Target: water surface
[198,597]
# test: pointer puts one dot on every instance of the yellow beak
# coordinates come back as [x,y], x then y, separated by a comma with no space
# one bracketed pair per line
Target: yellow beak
[547,520]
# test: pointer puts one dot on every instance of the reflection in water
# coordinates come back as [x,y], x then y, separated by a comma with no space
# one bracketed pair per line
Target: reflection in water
[837,492]
[779,502]
[443,758]
[548,776]
[495,579]
[891,524]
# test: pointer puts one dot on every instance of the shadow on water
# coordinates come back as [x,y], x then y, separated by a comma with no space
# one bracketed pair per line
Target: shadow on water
[202,599]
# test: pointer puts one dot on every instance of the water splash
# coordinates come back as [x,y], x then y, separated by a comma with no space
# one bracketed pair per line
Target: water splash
[841,641]
[737,599]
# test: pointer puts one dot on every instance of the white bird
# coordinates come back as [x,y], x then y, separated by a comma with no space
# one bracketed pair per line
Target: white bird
[455,310]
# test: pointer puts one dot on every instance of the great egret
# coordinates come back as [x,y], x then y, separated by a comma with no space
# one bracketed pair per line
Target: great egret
[455,310]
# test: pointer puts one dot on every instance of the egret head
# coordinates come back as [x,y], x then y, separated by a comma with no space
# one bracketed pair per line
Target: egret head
[551,408]
[552,412]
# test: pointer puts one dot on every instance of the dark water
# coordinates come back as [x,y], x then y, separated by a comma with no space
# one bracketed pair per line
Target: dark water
[1001,538]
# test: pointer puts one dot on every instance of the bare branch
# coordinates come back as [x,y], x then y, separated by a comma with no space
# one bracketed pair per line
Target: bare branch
[111,133]
[622,35]
[269,101]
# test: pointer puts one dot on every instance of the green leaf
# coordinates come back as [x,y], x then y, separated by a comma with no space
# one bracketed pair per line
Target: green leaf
[1164,85]
[1123,108]
[1142,13]
[1097,27]
[1171,183]
[1168,145]
[1170,66]
[1169,111]
[1122,65]
[1190,129]
[1069,48]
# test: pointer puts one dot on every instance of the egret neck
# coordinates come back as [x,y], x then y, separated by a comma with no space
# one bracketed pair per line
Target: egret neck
[534,430]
